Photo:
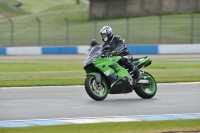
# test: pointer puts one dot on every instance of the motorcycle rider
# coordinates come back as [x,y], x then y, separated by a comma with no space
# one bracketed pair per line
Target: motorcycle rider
[118,47]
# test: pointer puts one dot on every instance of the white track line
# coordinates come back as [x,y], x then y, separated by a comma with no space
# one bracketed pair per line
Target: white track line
[81,86]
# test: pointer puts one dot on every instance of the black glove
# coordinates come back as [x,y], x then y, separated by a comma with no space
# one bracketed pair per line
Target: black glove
[113,53]
[109,54]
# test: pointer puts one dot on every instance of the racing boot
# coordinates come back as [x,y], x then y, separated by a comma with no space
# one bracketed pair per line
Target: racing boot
[137,73]
[133,69]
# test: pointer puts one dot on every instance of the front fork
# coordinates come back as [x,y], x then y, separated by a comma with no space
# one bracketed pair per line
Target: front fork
[98,79]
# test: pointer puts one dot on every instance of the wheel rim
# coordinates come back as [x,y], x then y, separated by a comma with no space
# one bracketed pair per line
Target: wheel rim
[149,88]
[98,91]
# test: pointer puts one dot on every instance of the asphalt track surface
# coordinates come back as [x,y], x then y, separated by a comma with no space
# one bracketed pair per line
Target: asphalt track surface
[73,102]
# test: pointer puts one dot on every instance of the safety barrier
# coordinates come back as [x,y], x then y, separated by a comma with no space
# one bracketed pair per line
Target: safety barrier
[134,49]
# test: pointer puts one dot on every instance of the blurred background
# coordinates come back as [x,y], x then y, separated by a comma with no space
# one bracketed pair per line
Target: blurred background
[77,22]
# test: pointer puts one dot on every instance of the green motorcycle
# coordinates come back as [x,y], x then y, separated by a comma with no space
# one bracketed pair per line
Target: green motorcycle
[105,75]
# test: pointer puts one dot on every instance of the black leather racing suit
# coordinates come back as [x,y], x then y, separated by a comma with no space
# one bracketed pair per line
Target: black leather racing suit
[118,47]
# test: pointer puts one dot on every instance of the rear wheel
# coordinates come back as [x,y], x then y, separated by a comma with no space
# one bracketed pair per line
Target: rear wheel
[147,91]
[93,90]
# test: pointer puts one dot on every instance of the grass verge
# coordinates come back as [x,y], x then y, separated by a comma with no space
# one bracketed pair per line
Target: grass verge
[123,127]
[70,72]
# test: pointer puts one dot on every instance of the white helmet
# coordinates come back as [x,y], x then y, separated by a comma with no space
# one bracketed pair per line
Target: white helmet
[106,33]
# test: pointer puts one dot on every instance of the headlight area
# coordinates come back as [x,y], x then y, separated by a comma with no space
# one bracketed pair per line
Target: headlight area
[89,67]
[88,64]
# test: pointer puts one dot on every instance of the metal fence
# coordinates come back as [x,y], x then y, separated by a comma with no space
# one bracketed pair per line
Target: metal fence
[167,29]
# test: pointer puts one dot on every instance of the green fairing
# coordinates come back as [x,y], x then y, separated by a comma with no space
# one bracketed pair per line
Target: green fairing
[143,61]
[103,64]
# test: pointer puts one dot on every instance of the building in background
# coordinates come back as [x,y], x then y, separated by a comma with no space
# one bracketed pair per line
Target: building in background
[130,8]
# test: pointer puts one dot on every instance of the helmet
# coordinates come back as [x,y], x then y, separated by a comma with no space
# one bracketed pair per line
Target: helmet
[106,33]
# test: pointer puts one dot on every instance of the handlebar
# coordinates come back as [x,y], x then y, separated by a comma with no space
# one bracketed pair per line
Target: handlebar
[106,54]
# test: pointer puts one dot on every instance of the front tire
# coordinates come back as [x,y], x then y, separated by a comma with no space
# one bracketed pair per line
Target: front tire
[147,91]
[93,90]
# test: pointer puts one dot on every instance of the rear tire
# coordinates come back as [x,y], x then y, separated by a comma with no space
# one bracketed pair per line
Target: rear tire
[147,91]
[93,91]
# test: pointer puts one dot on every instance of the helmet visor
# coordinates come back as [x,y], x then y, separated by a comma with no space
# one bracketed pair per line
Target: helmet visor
[104,36]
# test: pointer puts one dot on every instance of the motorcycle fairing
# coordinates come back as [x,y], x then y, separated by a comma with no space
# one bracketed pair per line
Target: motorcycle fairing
[144,61]
[111,70]
[117,75]
[120,86]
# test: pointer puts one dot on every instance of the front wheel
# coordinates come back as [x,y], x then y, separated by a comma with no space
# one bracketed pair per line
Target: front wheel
[93,90]
[147,91]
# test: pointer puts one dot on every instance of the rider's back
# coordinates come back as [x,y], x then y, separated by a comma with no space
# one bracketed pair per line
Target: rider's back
[117,43]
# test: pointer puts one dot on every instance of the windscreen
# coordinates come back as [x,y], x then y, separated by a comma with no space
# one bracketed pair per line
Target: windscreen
[94,50]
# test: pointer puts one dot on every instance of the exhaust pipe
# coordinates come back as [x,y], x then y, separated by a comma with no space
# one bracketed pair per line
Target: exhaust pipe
[143,81]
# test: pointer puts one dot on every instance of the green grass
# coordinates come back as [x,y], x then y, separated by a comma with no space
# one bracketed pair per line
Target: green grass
[70,72]
[8,10]
[143,30]
[174,70]
[36,6]
[123,127]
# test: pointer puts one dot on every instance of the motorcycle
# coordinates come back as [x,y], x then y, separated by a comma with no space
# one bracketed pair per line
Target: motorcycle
[105,75]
